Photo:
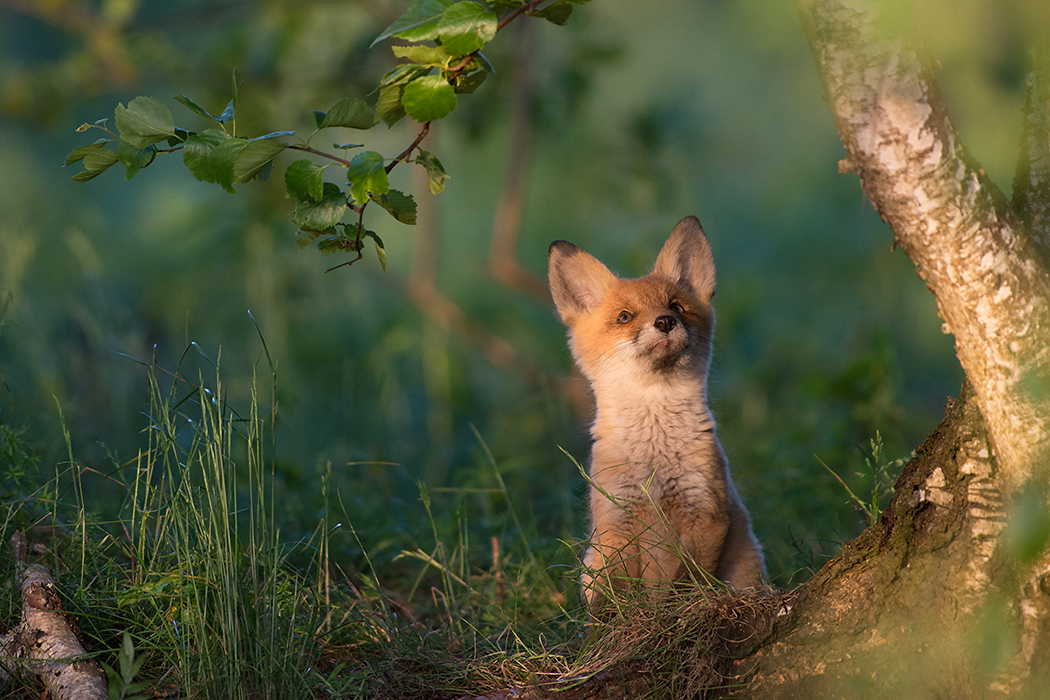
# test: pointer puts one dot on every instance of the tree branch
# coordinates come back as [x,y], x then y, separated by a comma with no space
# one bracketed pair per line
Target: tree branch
[991,285]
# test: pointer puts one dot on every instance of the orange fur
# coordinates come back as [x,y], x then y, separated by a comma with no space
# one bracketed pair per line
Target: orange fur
[669,506]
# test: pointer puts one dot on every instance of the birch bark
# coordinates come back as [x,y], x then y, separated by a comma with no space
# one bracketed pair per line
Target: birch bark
[986,267]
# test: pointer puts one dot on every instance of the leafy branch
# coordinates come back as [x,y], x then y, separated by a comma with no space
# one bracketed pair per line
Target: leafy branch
[442,60]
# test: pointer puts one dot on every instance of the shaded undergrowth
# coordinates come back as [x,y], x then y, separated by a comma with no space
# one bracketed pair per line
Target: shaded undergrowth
[192,589]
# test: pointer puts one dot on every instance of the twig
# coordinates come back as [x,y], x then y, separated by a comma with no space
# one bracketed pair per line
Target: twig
[517,11]
[309,149]
[407,153]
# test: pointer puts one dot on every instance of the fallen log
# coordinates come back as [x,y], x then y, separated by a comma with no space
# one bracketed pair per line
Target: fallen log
[44,642]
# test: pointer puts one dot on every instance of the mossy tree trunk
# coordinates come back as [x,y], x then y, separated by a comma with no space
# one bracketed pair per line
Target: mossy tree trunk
[949,594]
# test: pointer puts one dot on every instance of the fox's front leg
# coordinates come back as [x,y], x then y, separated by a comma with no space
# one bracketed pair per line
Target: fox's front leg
[612,559]
[697,538]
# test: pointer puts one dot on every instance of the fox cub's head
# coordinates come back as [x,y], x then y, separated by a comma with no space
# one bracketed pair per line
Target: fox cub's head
[641,329]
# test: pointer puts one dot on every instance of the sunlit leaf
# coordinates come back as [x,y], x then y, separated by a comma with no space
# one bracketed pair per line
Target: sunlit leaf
[428,98]
[367,177]
[144,122]
[404,74]
[380,248]
[435,171]
[430,55]
[388,107]
[419,23]
[465,27]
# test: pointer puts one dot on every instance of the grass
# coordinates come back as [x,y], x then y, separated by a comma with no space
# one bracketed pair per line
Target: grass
[190,590]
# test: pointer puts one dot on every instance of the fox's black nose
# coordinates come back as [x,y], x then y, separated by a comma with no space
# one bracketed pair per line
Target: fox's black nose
[665,324]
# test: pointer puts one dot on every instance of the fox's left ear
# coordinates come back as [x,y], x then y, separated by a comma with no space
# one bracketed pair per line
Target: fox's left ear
[686,258]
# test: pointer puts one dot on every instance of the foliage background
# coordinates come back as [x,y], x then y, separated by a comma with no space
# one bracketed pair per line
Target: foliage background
[643,113]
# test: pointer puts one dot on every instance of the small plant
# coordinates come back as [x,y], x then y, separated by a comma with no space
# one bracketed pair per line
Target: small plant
[882,480]
[122,685]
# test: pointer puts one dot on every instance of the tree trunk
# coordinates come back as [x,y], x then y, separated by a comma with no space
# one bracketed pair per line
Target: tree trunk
[926,603]
[948,595]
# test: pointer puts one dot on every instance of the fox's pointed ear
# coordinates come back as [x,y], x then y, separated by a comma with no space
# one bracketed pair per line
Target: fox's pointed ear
[686,258]
[578,280]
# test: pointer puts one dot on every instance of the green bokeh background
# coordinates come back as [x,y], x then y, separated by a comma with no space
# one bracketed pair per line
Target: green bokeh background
[643,113]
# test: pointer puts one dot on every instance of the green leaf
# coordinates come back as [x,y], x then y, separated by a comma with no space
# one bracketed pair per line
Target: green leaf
[99,159]
[337,244]
[388,106]
[144,122]
[404,74]
[304,180]
[134,159]
[428,98]
[322,215]
[304,238]
[209,155]
[429,55]
[232,107]
[253,157]
[350,112]
[272,135]
[78,153]
[466,27]
[419,23]
[180,137]
[556,13]
[367,177]
[467,84]
[229,113]
[401,206]
[435,171]
[380,248]
[85,175]
[196,107]
[96,157]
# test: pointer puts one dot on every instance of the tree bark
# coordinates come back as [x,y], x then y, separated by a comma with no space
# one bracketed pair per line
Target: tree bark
[948,595]
[44,642]
[973,250]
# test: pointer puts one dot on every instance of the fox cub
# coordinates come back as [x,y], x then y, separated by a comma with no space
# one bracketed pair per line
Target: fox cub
[662,501]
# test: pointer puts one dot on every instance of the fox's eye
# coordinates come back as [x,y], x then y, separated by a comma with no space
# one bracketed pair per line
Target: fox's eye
[677,308]
[624,317]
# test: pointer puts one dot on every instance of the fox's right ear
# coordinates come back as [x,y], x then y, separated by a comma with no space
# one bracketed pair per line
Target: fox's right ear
[578,280]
